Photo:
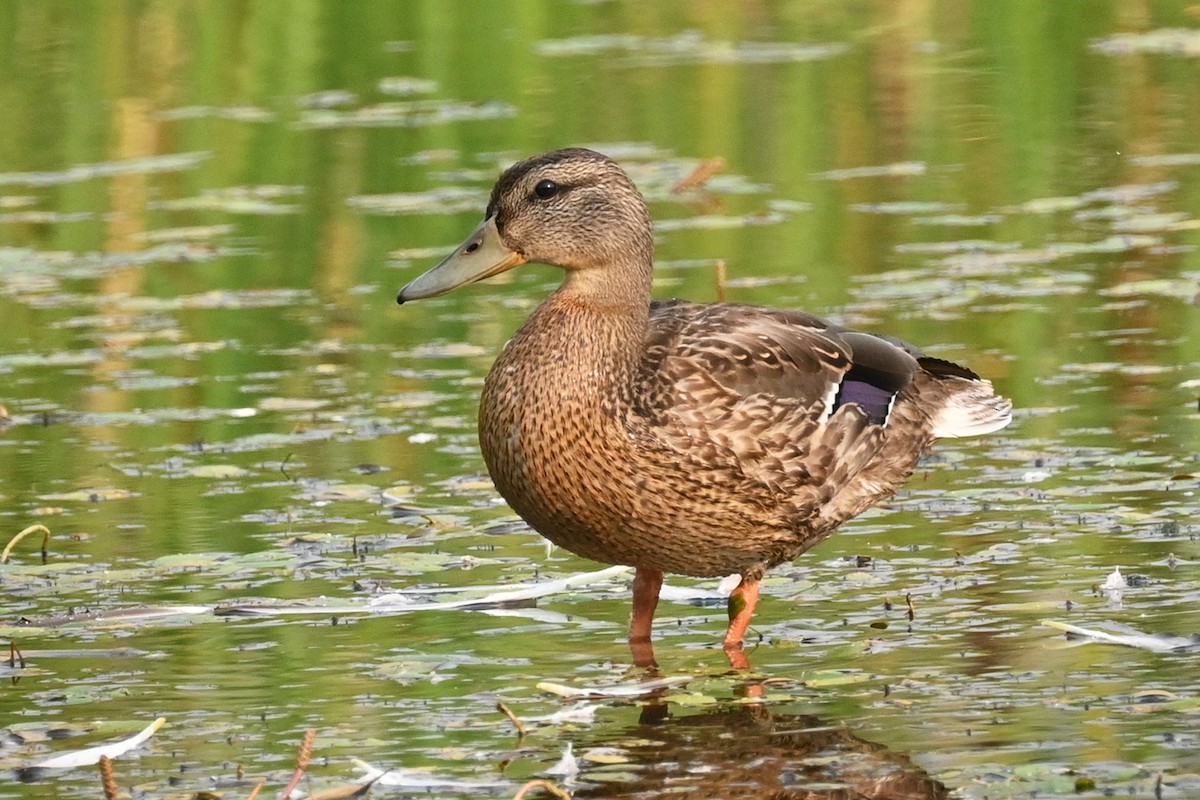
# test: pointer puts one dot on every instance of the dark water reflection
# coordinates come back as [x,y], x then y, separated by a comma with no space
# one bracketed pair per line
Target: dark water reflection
[754,751]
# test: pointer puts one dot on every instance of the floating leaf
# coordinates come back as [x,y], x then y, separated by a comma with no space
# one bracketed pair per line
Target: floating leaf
[621,690]
[824,679]
[1158,643]
[689,47]
[422,779]
[405,602]
[173,162]
[218,471]
[605,755]
[90,756]
[1172,41]
[96,495]
[690,699]
[407,114]
[902,168]
[348,491]
[446,200]
[1179,288]
[291,403]
[404,86]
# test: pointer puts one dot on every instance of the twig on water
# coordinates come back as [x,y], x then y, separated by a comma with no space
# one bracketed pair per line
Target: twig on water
[720,280]
[257,789]
[701,175]
[302,758]
[31,529]
[912,610]
[108,779]
[542,784]
[506,711]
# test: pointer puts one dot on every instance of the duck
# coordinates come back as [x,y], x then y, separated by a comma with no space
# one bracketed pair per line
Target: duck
[699,439]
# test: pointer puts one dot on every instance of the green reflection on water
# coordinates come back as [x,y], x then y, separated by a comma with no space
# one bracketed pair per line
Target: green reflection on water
[200,226]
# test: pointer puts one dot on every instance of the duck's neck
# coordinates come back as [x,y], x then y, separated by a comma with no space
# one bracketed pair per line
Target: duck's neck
[617,287]
[588,336]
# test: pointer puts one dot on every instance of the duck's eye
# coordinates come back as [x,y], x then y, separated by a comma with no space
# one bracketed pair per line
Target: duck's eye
[546,189]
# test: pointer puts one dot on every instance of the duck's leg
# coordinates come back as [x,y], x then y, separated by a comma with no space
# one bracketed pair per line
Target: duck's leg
[646,585]
[741,608]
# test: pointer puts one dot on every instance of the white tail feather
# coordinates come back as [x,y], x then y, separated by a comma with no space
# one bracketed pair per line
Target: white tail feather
[973,409]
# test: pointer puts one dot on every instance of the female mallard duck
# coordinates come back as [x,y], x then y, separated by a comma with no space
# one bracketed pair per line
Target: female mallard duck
[676,437]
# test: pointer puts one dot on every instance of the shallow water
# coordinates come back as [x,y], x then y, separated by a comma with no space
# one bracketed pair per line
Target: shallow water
[212,399]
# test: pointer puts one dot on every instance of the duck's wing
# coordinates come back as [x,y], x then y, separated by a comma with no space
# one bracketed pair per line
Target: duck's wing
[704,363]
[786,405]
[783,406]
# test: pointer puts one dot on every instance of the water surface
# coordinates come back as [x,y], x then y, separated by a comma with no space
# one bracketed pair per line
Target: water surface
[211,398]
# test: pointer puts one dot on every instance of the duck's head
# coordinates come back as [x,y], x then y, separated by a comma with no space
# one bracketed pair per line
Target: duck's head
[574,209]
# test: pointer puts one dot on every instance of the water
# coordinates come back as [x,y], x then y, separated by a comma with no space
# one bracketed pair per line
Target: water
[212,399]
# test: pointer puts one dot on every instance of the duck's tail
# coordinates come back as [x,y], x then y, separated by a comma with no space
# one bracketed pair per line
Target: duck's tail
[943,400]
[969,406]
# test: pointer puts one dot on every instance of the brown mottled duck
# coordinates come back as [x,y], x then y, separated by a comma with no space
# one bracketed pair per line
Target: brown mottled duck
[699,439]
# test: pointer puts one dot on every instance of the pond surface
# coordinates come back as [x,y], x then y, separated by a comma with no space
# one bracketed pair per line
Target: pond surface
[210,398]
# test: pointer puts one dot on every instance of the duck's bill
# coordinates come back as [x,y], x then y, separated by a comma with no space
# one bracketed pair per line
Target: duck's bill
[481,256]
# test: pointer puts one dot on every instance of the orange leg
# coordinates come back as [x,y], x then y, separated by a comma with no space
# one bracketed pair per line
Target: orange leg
[646,585]
[741,608]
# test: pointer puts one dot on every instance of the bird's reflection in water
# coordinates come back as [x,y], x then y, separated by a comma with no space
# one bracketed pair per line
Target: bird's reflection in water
[750,751]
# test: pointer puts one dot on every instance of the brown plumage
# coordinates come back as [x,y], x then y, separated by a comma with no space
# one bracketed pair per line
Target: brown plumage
[677,437]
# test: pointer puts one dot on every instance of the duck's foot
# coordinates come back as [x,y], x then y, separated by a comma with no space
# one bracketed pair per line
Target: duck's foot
[741,608]
[646,585]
